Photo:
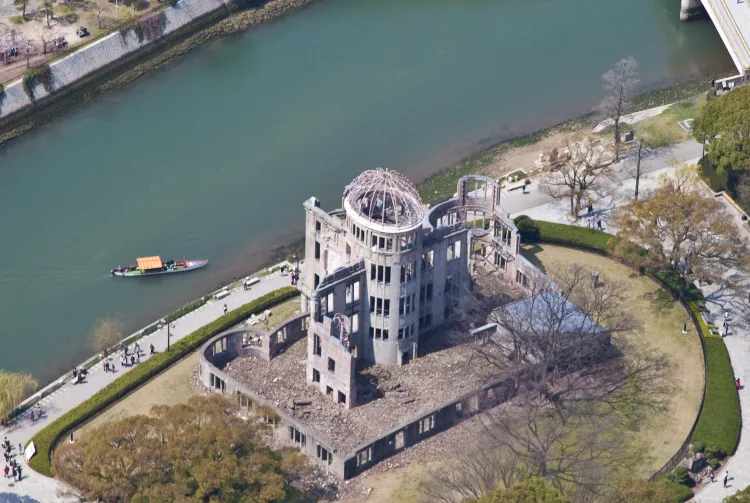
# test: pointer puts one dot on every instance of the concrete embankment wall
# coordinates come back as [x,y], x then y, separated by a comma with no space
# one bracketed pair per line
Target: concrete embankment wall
[112,48]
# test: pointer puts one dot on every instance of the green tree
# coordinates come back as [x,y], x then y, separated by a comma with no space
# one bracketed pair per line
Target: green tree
[201,451]
[724,126]
[739,497]
[684,232]
[21,5]
[534,490]
[14,388]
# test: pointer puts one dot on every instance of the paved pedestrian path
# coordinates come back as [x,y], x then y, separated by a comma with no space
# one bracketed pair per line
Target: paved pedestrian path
[37,488]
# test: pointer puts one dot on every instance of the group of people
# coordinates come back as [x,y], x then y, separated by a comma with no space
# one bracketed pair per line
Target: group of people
[294,275]
[11,465]
[79,374]
[36,413]
[127,358]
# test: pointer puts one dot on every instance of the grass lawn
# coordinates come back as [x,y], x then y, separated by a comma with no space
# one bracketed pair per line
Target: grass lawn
[172,386]
[662,319]
[663,129]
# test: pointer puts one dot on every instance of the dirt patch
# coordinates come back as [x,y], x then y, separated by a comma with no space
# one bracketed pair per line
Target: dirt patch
[511,159]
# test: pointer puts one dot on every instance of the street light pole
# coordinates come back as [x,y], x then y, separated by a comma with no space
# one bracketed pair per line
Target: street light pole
[163,322]
[638,168]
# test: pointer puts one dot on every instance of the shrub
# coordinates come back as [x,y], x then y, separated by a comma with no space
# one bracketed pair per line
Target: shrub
[152,25]
[679,475]
[681,492]
[41,73]
[698,447]
[46,439]
[527,228]
[714,451]
[713,463]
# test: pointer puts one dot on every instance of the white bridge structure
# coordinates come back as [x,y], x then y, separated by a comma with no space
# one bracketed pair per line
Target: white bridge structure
[732,20]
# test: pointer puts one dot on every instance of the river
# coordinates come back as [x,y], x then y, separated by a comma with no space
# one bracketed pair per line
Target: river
[213,155]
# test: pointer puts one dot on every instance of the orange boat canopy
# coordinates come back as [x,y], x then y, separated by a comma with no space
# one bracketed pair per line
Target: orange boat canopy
[147,263]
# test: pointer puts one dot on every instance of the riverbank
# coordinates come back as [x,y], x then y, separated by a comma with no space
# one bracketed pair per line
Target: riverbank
[80,77]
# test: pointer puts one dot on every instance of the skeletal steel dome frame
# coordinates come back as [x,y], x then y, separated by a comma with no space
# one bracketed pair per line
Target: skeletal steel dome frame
[386,197]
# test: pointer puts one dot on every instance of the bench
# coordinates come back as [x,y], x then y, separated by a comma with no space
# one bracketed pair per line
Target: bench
[220,295]
[250,282]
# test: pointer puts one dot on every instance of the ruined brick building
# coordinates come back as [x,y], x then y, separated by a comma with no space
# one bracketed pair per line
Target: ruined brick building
[383,272]
[348,378]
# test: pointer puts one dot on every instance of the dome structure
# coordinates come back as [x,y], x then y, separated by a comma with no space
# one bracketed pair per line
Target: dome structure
[385,197]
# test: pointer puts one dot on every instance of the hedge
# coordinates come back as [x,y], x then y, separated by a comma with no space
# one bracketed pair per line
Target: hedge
[576,237]
[46,439]
[719,421]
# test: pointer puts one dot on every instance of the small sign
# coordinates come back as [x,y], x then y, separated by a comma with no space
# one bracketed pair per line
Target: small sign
[30,450]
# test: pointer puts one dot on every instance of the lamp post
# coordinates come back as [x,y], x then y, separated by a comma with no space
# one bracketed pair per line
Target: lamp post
[165,322]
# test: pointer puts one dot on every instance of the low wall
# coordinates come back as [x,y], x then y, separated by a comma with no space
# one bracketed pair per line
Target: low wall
[225,347]
[116,46]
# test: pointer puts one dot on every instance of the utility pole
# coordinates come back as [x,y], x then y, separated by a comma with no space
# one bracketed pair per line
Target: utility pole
[638,168]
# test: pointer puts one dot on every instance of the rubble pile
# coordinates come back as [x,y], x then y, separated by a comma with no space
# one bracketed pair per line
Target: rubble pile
[406,393]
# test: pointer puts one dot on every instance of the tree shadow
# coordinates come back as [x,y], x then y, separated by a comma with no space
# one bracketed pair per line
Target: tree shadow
[661,301]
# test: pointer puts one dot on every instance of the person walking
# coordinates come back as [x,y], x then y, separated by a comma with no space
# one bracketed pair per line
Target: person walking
[225,309]
[15,474]
[31,415]
[152,349]
[599,224]
[132,359]
[7,470]
[19,473]
[726,479]
[710,475]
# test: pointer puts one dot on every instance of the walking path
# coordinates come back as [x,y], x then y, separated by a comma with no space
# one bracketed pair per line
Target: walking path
[37,488]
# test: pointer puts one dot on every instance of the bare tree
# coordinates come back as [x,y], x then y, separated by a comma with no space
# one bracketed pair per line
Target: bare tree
[99,15]
[471,474]
[107,332]
[619,83]
[569,388]
[582,170]
[48,39]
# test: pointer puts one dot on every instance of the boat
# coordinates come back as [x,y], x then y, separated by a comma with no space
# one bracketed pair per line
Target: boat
[152,266]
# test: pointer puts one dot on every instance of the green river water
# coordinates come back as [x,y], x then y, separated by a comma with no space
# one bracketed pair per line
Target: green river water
[212,156]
